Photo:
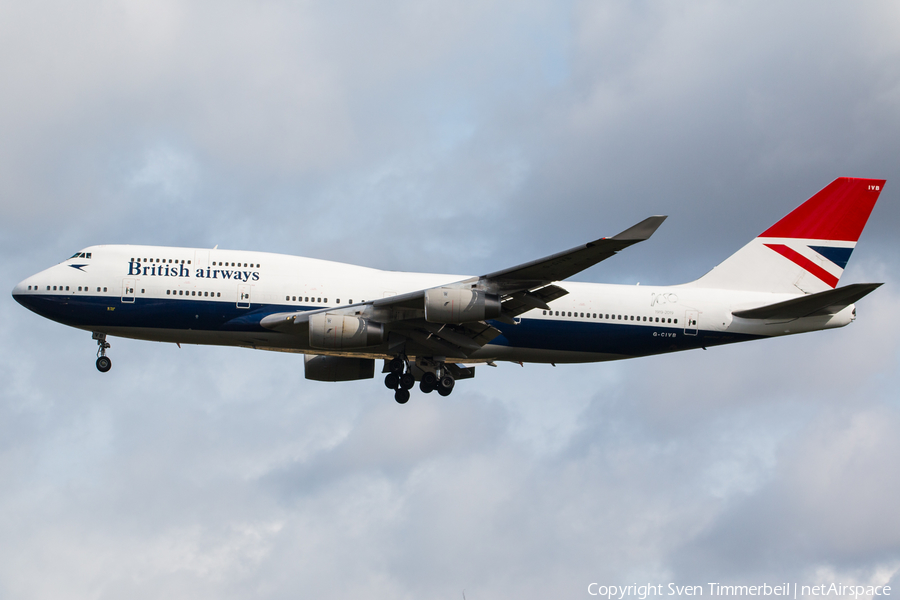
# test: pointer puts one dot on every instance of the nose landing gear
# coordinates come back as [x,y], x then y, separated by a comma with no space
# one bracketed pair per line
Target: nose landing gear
[104,364]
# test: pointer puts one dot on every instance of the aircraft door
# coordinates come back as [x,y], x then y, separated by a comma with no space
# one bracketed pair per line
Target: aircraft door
[690,322]
[128,290]
[243,296]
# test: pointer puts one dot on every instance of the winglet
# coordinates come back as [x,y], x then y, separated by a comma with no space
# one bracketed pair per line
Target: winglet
[642,231]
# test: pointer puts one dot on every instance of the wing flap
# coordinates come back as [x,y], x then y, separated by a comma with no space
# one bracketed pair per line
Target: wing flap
[823,303]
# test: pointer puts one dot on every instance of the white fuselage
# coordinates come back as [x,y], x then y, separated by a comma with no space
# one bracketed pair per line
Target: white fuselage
[201,296]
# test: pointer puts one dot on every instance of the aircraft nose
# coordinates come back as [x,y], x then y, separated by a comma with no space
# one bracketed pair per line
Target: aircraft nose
[20,294]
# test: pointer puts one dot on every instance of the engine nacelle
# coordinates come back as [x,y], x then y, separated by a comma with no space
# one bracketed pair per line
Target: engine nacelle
[338,368]
[339,332]
[460,305]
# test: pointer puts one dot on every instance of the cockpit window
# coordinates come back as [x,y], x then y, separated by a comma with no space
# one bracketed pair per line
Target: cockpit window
[80,255]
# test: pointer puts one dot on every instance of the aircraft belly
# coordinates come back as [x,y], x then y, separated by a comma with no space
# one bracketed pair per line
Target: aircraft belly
[265,340]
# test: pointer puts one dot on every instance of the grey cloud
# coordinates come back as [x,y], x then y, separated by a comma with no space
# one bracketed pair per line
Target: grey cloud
[450,138]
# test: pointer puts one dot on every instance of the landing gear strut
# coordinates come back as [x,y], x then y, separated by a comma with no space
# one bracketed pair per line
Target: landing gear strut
[104,364]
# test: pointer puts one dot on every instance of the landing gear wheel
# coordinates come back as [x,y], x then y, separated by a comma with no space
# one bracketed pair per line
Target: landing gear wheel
[445,385]
[104,364]
[401,396]
[397,365]
[428,383]
[391,381]
[407,381]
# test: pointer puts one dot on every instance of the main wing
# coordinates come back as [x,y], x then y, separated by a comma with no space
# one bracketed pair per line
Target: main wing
[452,320]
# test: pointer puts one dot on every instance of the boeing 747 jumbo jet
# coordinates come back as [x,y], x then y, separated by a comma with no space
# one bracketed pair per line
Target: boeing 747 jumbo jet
[434,328]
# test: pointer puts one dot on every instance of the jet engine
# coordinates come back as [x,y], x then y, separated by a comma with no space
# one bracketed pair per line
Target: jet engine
[339,332]
[460,305]
[338,368]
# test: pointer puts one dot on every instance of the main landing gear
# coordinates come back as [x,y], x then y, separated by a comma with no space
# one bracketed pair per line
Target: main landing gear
[104,364]
[401,380]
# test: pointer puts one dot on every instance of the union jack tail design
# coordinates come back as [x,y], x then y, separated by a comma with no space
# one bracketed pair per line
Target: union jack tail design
[807,250]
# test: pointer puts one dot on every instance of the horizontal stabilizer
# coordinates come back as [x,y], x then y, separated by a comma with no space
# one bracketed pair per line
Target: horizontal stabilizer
[824,303]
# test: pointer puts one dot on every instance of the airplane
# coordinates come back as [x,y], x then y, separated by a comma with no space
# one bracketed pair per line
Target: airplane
[435,329]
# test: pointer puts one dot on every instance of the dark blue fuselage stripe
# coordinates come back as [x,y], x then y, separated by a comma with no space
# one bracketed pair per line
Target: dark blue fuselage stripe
[99,312]
[839,256]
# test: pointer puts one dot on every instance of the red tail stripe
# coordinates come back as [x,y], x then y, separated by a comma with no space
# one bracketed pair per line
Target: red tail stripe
[803,262]
[838,212]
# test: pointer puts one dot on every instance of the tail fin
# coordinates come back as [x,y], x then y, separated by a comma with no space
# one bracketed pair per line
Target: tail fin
[807,250]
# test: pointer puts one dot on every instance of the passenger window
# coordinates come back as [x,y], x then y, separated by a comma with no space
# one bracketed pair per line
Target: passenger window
[104,289]
[219,294]
[67,288]
[168,292]
[676,321]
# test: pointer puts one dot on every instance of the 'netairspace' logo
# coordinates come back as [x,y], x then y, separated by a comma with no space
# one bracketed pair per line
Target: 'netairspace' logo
[139,270]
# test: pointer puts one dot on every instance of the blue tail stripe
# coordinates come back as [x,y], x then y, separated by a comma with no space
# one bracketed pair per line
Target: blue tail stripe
[838,256]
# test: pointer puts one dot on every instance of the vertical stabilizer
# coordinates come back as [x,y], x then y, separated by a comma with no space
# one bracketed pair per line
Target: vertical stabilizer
[807,250]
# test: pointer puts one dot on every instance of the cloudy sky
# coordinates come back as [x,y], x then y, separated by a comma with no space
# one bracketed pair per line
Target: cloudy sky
[452,137]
